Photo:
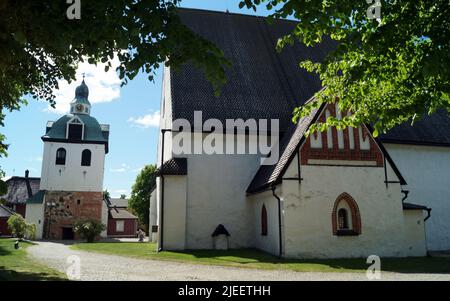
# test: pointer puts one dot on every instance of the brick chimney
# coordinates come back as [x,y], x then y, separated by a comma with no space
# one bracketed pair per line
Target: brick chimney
[27,182]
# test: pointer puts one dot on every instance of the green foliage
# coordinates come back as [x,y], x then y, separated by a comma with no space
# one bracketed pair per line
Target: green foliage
[252,258]
[140,193]
[39,45]
[385,71]
[89,229]
[20,228]
[106,195]
[3,187]
[17,265]
[123,196]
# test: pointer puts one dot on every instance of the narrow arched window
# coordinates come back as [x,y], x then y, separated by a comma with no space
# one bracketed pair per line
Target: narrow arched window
[346,218]
[342,219]
[61,156]
[86,158]
[263,221]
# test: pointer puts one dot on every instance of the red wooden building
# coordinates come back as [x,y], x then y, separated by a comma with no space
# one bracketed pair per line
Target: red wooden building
[121,223]
[5,213]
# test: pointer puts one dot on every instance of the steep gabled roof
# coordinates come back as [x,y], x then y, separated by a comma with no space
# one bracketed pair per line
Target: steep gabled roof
[121,213]
[264,84]
[269,175]
[18,191]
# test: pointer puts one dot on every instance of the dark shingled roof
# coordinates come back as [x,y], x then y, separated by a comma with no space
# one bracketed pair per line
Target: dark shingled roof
[429,130]
[17,189]
[264,84]
[118,202]
[121,213]
[409,206]
[220,230]
[268,175]
[173,167]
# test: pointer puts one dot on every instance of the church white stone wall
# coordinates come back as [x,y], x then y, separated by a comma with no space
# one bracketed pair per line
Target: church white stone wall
[72,176]
[427,172]
[35,215]
[270,242]
[386,229]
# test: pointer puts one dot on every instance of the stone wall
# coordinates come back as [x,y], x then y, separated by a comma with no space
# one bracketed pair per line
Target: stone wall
[70,207]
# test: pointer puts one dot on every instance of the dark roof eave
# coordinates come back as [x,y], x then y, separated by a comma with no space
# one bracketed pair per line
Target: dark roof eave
[410,206]
[48,139]
[408,142]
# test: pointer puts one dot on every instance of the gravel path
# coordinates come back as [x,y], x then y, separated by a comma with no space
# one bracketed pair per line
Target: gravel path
[96,266]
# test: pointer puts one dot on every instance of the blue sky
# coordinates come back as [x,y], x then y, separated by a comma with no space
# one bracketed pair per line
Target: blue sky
[131,111]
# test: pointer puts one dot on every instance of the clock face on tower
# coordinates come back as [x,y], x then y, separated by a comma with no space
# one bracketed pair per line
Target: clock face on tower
[79,108]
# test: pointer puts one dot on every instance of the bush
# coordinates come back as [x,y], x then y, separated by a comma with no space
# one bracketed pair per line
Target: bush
[89,229]
[20,228]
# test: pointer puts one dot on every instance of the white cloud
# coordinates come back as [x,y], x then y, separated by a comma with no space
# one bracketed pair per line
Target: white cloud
[35,159]
[123,167]
[146,121]
[103,86]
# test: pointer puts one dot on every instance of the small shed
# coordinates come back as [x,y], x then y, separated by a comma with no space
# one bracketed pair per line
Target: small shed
[121,223]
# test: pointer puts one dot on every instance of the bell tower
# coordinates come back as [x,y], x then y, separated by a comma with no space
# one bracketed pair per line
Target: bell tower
[75,147]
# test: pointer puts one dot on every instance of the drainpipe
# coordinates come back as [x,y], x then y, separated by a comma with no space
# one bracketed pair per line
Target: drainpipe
[428,214]
[279,222]
[161,224]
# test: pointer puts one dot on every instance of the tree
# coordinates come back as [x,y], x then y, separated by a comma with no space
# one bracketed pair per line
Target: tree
[106,195]
[140,193]
[41,43]
[385,70]
[123,196]
[89,229]
[20,228]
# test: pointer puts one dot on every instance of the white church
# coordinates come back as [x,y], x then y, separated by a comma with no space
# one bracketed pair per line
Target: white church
[339,193]
[71,183]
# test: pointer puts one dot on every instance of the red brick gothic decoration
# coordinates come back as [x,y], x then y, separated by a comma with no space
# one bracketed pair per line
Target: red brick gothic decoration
[346,153]
[355,225]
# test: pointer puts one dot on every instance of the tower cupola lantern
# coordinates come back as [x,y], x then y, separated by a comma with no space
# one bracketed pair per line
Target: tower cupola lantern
[81,104]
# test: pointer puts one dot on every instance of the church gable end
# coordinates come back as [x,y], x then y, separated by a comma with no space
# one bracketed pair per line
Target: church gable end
[351,146]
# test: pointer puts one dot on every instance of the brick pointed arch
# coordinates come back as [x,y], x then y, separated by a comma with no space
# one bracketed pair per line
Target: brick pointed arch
[356,217]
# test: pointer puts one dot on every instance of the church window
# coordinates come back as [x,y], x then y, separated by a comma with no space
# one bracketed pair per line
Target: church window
[263,221]
[61,156]
[346,219]
[86,158]
[342,219]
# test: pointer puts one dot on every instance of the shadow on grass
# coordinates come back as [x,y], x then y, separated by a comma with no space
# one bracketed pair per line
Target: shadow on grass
[257,258]
[4,251]
[13,275]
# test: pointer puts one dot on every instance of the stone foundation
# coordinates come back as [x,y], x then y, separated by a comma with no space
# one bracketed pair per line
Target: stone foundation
[70,207]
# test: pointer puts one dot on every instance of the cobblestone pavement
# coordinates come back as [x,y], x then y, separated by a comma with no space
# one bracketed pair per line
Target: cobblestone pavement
[96,266]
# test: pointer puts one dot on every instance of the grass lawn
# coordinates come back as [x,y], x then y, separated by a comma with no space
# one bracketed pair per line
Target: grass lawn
[250,258]
[17,265]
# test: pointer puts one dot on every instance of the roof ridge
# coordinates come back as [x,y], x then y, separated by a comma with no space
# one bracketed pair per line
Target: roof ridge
[232,13]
